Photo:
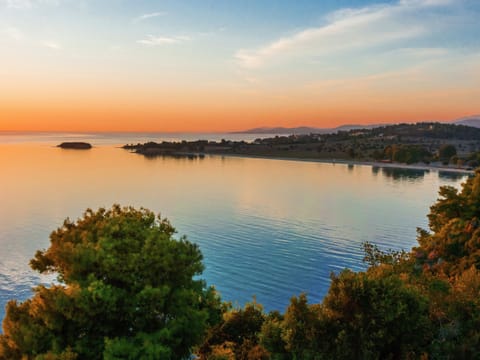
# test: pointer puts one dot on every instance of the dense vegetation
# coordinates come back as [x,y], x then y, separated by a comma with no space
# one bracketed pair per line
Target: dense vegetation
[404,143]
[129,291]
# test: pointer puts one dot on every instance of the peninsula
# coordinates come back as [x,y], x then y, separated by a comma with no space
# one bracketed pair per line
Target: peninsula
[427,145]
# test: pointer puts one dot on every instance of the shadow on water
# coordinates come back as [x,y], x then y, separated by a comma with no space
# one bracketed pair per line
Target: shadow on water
[187,157]
[400,174]
[452,176]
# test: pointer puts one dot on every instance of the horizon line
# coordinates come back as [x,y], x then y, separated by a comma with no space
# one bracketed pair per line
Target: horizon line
[63,131]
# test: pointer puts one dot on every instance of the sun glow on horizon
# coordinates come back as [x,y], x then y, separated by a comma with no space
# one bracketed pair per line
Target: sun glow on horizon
[184,66]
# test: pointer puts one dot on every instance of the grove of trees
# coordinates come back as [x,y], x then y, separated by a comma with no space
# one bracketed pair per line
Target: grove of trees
[126,290]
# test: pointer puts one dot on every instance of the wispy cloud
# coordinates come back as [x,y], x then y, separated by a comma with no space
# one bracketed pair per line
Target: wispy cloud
[14,33]
[17,4]
[419,52]
[27,4]
[348,29]
[51,45]
[148,16]
[152,40]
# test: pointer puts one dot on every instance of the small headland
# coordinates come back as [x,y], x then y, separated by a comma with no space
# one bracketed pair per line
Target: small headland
[439,146]
[190,150]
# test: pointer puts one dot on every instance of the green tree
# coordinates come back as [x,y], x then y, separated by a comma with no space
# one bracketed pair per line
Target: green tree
[375,316]
[406,153]
[127,290]
[236,334]
[446,151]
[453,244]
[271,336]
[300,333]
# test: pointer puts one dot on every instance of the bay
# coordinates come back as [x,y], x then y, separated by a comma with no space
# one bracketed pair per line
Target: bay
[267,228]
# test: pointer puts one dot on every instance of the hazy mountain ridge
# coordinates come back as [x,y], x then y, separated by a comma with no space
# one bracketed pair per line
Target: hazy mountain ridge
[473,121]
[302,130]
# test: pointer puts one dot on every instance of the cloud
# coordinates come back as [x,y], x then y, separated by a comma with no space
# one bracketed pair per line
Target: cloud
[423,3]
[14,33]
[52,45]
[17,4]
[152,40]
[148,16]
[349,29]
[420,52]
[27,4]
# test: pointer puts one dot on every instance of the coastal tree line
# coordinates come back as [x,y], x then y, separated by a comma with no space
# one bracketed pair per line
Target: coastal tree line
[448,144]
[128,289]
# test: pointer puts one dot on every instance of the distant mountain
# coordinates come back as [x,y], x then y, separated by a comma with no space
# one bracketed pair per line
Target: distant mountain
[301,130]
[355,127]
[280,130]
[473,121]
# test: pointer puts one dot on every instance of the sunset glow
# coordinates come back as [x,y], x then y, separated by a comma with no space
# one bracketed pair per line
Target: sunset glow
[222,66]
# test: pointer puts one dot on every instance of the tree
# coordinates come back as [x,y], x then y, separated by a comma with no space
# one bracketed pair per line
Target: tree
[300,325]
[375,315]
[127,290]
[446,151]
[236,336]
[453,244]
[406,153]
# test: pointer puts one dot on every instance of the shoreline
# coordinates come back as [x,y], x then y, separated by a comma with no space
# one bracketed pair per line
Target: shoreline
[372,164]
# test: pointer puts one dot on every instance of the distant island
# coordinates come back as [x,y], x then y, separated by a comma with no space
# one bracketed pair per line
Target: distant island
[428,145]
[76,145]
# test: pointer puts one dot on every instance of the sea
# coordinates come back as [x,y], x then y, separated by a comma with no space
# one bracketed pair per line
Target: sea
[268,229]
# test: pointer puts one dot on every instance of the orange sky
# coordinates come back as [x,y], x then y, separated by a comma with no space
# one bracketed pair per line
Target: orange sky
[88,69]
[226,112]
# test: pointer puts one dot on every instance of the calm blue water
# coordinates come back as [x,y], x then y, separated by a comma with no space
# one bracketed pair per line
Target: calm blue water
[269,228]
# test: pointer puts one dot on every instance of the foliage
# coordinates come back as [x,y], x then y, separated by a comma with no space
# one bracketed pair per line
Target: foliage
[375,257]
[236,336]
[127,290]
[376,317]
[453,246]
[407,153]
[446,151]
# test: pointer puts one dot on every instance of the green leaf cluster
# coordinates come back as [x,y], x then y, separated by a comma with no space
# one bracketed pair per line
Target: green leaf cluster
[127,290]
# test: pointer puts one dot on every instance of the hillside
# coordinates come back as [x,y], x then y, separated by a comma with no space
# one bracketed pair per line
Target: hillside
[303,130]
[473,121]
[403,143]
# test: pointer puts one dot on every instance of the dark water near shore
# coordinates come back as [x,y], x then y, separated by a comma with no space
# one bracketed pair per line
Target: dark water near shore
[269,228]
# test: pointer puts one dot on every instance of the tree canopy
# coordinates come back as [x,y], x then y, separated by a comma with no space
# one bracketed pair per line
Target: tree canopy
[446,151]
[127,290]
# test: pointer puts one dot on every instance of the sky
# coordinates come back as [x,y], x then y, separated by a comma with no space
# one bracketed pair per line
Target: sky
[173,65]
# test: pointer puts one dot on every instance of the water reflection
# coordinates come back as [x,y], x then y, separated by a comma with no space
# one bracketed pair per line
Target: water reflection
[190,156]
[404,174]
[451,176]
[271,228]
